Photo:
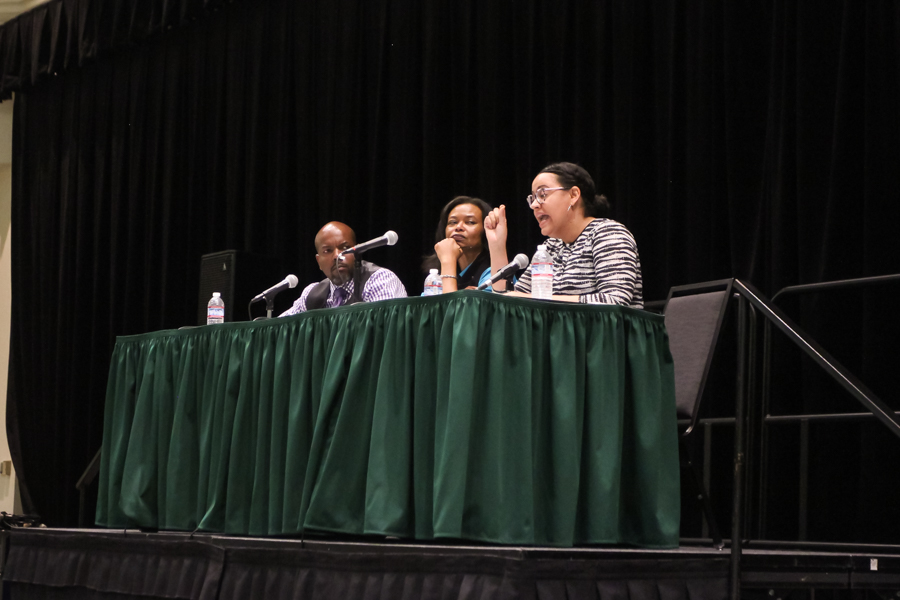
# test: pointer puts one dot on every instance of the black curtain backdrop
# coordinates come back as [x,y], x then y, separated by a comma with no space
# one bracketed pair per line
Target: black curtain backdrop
[756,140]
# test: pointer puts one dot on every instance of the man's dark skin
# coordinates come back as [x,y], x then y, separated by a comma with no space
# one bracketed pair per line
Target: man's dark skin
[330,241]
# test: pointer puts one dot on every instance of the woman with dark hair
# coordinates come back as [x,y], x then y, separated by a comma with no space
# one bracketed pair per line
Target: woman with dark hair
[460,250]
[595,259]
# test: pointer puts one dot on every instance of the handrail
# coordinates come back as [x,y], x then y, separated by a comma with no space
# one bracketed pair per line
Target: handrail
[863,416]
[747,294]
[808,288]
[831,366]
[767,359]
[776,419]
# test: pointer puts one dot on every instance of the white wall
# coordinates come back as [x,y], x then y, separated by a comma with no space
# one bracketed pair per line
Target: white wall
[8,493]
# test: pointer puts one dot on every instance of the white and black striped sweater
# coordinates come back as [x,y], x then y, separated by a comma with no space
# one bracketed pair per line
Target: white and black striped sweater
[601,266]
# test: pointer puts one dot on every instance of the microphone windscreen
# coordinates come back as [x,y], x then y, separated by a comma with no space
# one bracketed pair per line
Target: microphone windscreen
[292,281]
[521,260]
[391,237]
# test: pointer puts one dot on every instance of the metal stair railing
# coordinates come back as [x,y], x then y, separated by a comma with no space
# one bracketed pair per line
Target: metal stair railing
[806,419]
[750,303]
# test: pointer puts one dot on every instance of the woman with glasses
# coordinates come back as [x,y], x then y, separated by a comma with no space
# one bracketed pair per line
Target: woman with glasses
[595,260]
[460,250]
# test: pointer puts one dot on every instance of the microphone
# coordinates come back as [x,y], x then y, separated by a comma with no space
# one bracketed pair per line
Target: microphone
[519,262]
[388,239]
[289,282]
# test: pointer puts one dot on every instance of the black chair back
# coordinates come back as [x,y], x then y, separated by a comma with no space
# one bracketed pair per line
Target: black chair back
[694,316]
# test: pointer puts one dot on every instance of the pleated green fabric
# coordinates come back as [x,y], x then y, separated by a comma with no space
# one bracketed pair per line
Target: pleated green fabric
[467,416]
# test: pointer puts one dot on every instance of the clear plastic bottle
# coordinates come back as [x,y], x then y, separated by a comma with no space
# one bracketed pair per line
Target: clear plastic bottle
[434,285]
[215,310]
[541,274]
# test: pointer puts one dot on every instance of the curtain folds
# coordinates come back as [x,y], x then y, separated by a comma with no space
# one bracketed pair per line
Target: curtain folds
[756,141]
[469,417]
[67,34]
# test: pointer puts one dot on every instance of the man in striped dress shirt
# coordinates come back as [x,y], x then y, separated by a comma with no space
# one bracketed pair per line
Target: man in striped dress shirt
[347,281]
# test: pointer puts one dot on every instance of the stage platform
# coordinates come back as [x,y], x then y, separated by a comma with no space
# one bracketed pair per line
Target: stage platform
[118,564]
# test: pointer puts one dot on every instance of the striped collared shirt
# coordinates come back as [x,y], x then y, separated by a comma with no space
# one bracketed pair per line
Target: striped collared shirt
[601,266]
[382,285]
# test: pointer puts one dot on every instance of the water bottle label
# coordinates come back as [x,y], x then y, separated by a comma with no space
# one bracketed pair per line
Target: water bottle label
[541,277]
[541,269]
[216,312]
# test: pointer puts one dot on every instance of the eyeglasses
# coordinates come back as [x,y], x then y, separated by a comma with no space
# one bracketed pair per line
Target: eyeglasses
[541,195]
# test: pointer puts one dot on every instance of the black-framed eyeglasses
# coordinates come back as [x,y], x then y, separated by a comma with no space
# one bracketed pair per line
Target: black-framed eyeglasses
[541,195]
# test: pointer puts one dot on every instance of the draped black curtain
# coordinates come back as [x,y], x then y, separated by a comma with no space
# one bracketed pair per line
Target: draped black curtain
[752,140]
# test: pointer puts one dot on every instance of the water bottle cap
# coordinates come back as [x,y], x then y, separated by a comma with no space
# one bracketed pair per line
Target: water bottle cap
[216,294]
[542,247]
[433,271]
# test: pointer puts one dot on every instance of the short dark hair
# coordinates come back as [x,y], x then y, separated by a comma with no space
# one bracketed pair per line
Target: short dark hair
[430,261]
[571,175]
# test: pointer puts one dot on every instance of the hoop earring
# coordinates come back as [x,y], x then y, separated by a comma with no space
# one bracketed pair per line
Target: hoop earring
[570,208]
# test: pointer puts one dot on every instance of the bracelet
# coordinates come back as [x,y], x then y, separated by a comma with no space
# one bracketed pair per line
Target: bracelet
[448,276]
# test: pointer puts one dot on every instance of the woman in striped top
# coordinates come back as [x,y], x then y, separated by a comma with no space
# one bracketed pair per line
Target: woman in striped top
[595,260]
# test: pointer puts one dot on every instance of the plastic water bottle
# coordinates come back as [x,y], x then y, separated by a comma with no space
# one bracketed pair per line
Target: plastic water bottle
[541,274]
[434,285]
[215,310]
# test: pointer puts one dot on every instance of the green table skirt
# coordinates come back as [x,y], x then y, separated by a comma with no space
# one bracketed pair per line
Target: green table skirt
[467,416]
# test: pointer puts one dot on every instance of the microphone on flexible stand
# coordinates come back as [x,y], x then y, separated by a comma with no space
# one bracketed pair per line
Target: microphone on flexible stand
[388,239]
[290,281]
[519,262]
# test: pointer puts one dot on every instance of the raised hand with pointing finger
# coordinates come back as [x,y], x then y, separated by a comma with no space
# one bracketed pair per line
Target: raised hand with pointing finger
[496,232]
